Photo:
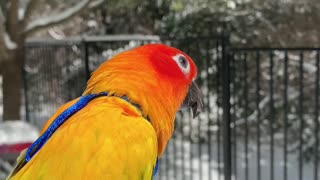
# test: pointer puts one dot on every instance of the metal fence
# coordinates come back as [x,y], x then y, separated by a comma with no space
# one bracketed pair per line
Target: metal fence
[260,121]
[275,119]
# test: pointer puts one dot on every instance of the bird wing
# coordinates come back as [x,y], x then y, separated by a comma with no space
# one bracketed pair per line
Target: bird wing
[107,139]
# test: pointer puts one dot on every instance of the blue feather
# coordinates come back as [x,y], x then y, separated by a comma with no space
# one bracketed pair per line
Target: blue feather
[155,169]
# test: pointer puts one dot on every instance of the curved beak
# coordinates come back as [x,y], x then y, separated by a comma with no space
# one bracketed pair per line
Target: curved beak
[193,100]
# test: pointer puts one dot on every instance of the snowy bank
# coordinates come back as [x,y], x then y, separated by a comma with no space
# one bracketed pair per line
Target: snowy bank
[13,132]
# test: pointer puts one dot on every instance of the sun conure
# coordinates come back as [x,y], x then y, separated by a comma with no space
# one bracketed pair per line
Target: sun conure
[121,124]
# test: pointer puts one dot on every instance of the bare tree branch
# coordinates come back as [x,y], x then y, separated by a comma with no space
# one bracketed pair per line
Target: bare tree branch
[32,5]
[62,17]
[3,6]
[12,19]
[3,49]
[95,4]
[2,24]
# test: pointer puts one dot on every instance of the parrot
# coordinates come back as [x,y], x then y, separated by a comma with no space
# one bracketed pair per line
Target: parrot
[119,127]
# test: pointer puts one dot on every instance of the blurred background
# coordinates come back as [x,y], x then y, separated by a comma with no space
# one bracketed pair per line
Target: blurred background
[258,66]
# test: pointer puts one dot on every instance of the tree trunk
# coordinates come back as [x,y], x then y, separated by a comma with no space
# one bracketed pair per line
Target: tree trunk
[12,85]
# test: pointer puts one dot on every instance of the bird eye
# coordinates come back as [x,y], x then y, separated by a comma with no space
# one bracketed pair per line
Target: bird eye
[182,62]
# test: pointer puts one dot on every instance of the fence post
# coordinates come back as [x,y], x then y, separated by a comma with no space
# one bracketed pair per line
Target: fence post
[226,107]
[86,58]
[25,85]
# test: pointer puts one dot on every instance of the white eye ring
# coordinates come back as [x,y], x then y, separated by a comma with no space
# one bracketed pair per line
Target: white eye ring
[182,62]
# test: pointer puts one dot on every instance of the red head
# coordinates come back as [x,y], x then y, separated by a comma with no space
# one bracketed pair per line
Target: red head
[155,76]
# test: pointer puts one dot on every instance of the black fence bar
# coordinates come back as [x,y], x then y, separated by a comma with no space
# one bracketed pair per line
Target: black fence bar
[174,158]
[199,150]
[190,150]
[208,65]
[182,147]
[218,136]
[25,92]
[271,90]
[86,59]
[258,114]
[246,133]
[234,116]
[167,165]
[301,116]
[285,104]
[226,113]
[316,117]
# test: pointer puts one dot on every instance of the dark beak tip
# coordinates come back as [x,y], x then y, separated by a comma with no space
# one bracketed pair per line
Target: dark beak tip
[194,100]
[196,114]
[196,109]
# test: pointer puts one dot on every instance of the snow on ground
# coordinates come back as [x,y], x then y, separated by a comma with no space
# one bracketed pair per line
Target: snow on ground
[292,163]
[182,161]
[12,132]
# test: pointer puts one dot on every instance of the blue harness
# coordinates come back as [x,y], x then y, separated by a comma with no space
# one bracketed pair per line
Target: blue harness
[64,116]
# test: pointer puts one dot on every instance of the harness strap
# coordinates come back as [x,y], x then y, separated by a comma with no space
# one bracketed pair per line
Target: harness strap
[64,116]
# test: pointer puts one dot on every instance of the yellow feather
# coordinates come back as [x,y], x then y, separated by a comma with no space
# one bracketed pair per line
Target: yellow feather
[108,139]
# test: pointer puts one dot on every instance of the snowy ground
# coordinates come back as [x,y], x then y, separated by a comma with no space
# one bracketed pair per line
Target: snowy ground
[12,132]
[189,164]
